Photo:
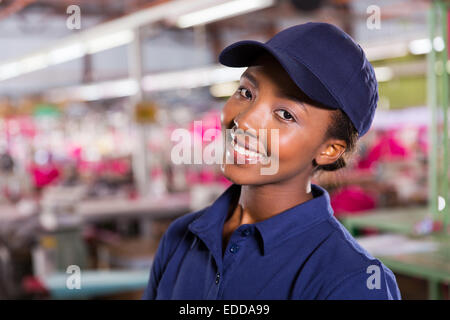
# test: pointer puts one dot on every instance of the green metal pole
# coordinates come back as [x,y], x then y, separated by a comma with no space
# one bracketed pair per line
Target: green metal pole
[433,290]
[432,104]
[444,58]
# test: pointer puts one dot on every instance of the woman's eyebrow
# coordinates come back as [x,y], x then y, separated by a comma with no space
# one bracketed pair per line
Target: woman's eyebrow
[250,78]
[300,101]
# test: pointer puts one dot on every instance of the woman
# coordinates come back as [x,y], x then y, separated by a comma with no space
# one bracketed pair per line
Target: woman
[273,236]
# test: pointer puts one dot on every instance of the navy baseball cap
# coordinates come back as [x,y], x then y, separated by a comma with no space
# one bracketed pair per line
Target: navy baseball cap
[324,62]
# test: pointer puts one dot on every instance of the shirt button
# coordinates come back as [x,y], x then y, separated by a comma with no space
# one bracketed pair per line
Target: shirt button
[234,248]
[245,232]
[217,277]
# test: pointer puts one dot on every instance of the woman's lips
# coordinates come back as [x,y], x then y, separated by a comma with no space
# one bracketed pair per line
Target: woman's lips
[250,143]
[245,153]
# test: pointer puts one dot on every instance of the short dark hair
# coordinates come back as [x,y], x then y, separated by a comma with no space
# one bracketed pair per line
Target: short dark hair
[340,128]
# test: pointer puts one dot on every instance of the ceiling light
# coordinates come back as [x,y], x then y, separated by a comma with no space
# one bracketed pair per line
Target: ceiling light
[222,90]
[199,77]
[423,46]
[92,92]
[438,44]
[420,46]
[222,11]
[110,41]
[102,37]
[386,51]
[9,70]
[33,63]
[67,53]
[383,74]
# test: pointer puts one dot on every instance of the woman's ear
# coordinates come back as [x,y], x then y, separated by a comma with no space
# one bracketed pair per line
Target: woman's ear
[330,152]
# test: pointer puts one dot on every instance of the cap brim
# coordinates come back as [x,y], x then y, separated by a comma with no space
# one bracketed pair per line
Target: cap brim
[245,53]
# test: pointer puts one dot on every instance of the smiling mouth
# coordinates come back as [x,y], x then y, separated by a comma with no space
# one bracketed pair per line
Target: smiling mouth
[251,147]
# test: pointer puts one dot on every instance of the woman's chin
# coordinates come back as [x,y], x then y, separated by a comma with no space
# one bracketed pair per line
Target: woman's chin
[244,174]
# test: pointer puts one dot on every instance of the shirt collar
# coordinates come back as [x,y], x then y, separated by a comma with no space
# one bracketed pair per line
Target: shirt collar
[209,225]
[295,220]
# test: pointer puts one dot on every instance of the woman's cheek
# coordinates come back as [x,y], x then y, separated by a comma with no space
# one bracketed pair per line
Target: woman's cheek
[289,144]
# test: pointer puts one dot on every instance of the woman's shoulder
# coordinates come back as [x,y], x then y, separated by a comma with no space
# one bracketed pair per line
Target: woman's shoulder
[352,266]
[346,243]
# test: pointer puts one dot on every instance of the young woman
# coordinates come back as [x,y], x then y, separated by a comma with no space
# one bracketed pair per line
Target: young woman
[273,236]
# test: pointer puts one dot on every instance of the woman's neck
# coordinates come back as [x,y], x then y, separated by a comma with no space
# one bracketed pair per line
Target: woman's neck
[262,202]
[257,203]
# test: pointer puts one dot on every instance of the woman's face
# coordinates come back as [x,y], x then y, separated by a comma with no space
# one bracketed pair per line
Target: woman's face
[268,99]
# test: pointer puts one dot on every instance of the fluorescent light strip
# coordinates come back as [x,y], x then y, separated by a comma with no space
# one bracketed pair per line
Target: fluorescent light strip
[110,41]
[33,63]
[102,37]
[9,70]
[215,74]
[24,65]
[193,78]
[383,74]
[386,51]
[92,92]
[403,48]
[420,46]
[221,11]
[226,89]
[66,53]
[423,46]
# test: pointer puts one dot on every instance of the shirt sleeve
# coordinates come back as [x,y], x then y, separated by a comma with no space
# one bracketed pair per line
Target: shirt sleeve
[156,269]
[364,285]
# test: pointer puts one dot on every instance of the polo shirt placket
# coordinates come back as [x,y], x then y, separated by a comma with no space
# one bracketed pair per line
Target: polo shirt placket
[234,252]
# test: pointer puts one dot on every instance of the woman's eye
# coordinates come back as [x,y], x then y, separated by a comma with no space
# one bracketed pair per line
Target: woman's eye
[245,93]
[285,115]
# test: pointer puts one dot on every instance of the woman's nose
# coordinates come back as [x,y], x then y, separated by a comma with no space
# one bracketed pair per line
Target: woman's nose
[253,118]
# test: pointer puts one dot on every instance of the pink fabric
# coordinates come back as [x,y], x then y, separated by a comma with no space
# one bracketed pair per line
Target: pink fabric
[351,199]
[386,148]
[44,175]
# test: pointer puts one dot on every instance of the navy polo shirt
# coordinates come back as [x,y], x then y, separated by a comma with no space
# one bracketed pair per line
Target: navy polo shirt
[300,253]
